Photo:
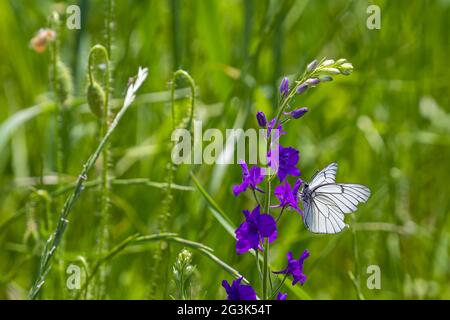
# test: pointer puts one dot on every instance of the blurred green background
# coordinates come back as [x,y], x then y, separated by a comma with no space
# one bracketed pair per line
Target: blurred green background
[387,125]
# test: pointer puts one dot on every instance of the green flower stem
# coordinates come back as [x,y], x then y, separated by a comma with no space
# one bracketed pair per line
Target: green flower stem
[55,60]
[167,203]
[187,76]
[284,104]
[274,292]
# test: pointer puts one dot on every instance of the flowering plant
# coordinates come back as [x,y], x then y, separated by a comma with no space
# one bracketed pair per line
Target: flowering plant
[259,228]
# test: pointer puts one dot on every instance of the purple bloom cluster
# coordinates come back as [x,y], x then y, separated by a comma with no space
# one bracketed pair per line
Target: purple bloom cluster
[259,226]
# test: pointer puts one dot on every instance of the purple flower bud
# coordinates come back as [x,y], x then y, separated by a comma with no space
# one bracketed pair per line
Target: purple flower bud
[311,82]
[312,66]
[298,113]
[261,118]
[284,86]
[302,88]
[325,78]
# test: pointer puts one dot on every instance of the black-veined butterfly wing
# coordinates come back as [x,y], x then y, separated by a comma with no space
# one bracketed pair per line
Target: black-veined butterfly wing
[327,175]
[328,202]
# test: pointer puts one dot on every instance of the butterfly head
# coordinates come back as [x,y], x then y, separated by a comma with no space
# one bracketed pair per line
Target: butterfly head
[305,194]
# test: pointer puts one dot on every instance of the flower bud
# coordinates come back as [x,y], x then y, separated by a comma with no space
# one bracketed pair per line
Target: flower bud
[311,82]
[346,68]
[42,38]
[325,78]
[284,86]
[189,270]
[64,82]
[302,88]
[331,70]
[261,118]
[298,113]
[311,66]
[341,61]
[327,63]
[185,256]
[96,98]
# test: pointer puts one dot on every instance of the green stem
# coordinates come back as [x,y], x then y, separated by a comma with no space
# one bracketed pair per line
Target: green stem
[105,180]
[265,268]
[187,76]
[278,287]
[167,203]
[55,60]
[137,239]
[55,239]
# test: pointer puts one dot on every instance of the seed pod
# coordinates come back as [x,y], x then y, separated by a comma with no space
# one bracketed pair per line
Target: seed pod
[95,98]
[64,82]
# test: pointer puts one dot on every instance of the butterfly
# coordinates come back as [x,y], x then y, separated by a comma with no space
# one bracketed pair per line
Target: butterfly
[326,202]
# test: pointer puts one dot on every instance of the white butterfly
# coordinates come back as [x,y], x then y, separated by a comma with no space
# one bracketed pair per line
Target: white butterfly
[326,202]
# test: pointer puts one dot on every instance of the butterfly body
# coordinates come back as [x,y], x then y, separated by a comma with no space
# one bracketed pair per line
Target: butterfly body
[326,202]
[305,194]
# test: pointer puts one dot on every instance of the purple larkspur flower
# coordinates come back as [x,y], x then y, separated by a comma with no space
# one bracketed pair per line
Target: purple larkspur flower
[281,296]
[254,229]
[284,86]
[295,268]
[261,118]
[288,196]
[250,178]
[288,159]
[238,291]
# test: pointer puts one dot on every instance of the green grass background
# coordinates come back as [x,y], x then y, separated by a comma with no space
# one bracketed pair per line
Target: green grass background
[387,125]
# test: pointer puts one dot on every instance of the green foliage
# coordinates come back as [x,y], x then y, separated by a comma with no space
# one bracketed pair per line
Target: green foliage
[386,125]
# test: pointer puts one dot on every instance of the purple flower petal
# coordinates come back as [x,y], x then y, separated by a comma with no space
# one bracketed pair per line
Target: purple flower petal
[266,225]
[289,158]
[250,178]
[295,268]
[251,233]
[281,296]
[238,291]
